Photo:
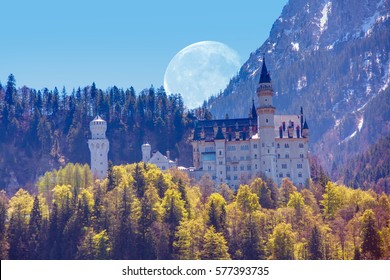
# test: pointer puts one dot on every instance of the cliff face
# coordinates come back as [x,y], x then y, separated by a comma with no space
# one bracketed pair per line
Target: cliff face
[332,58]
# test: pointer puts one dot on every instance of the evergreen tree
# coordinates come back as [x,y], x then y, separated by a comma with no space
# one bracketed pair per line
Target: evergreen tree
[281,242]
[34,231]
[214,247]
[315,244]
[370,236]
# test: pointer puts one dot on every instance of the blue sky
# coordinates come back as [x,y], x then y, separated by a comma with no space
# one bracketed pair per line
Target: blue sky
[123,43]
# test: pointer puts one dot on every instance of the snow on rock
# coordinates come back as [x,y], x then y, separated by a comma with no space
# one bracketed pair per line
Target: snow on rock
[302,82]
[324,19]
[295,46]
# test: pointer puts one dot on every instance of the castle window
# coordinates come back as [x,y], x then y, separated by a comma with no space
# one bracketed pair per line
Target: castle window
[299,165]
[227,168]
[300,145]
[220,153]
[266,120]
[254,146]
[220,172]
[220,162]
[278,146]
[301,155]
[268,150]
[248,167]
[300,175]
[228,177]
[242,158]
[288,175]
[262,145]
[242,168]
[255,166]
[284,166]
[286,145]
[235,177]
[287,156]
[278,155]
[231,148]
[163,167]
[280,175]
[255,156]
[235,168]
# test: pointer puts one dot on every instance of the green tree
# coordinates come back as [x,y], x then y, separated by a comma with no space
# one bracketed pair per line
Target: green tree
[188,240]
[315,244]
[371,241]
[281,242]
[215,246]
[35,231]
[216,212]
[331,201]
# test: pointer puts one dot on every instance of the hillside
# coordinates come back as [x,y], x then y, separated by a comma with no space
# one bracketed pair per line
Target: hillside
[370,170]
[43,130]
[141,213]
[332,58]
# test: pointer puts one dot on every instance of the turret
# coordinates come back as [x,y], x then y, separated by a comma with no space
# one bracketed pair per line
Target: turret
[266,123]
[99,147]
[146,152]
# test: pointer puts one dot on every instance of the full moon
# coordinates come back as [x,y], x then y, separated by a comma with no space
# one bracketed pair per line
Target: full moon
[201,70]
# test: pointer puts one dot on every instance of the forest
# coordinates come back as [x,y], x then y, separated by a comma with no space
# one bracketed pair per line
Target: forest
[140,212]
[46,129]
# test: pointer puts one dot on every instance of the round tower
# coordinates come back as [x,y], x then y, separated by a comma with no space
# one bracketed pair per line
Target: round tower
[146,152]
[265,124]
[98,146]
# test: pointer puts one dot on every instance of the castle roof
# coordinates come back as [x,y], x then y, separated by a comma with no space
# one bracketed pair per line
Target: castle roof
[243,126]
[98,119]
[264,76]
[305,126]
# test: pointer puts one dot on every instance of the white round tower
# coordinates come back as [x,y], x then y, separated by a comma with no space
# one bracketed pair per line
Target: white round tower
[266,125]
[99,146]
[146,152]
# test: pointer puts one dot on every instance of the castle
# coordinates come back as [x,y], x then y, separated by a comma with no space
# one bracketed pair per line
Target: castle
[234,151]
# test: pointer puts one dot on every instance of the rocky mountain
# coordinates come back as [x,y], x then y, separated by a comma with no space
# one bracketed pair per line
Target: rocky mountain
[332,58]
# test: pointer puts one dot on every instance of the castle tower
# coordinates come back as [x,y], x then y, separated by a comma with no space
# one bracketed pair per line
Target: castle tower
[146,152]
[99,146]
[265,124]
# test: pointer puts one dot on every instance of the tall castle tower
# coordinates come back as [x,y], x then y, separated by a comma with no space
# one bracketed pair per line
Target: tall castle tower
[146,152]
[99,146]
[265,124]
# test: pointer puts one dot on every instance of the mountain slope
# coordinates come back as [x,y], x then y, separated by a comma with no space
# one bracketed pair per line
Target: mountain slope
[332,58]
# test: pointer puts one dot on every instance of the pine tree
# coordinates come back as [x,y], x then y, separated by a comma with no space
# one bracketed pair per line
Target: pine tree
[34,231]
[281,242]
[315,244]
[370,236]
[215,246]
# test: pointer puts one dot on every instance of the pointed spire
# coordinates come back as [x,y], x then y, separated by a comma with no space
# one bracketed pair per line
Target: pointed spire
[254,113]
[264,76]
[305,126]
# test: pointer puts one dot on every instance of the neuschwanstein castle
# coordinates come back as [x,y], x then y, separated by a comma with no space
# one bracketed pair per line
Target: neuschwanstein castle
[233,151]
